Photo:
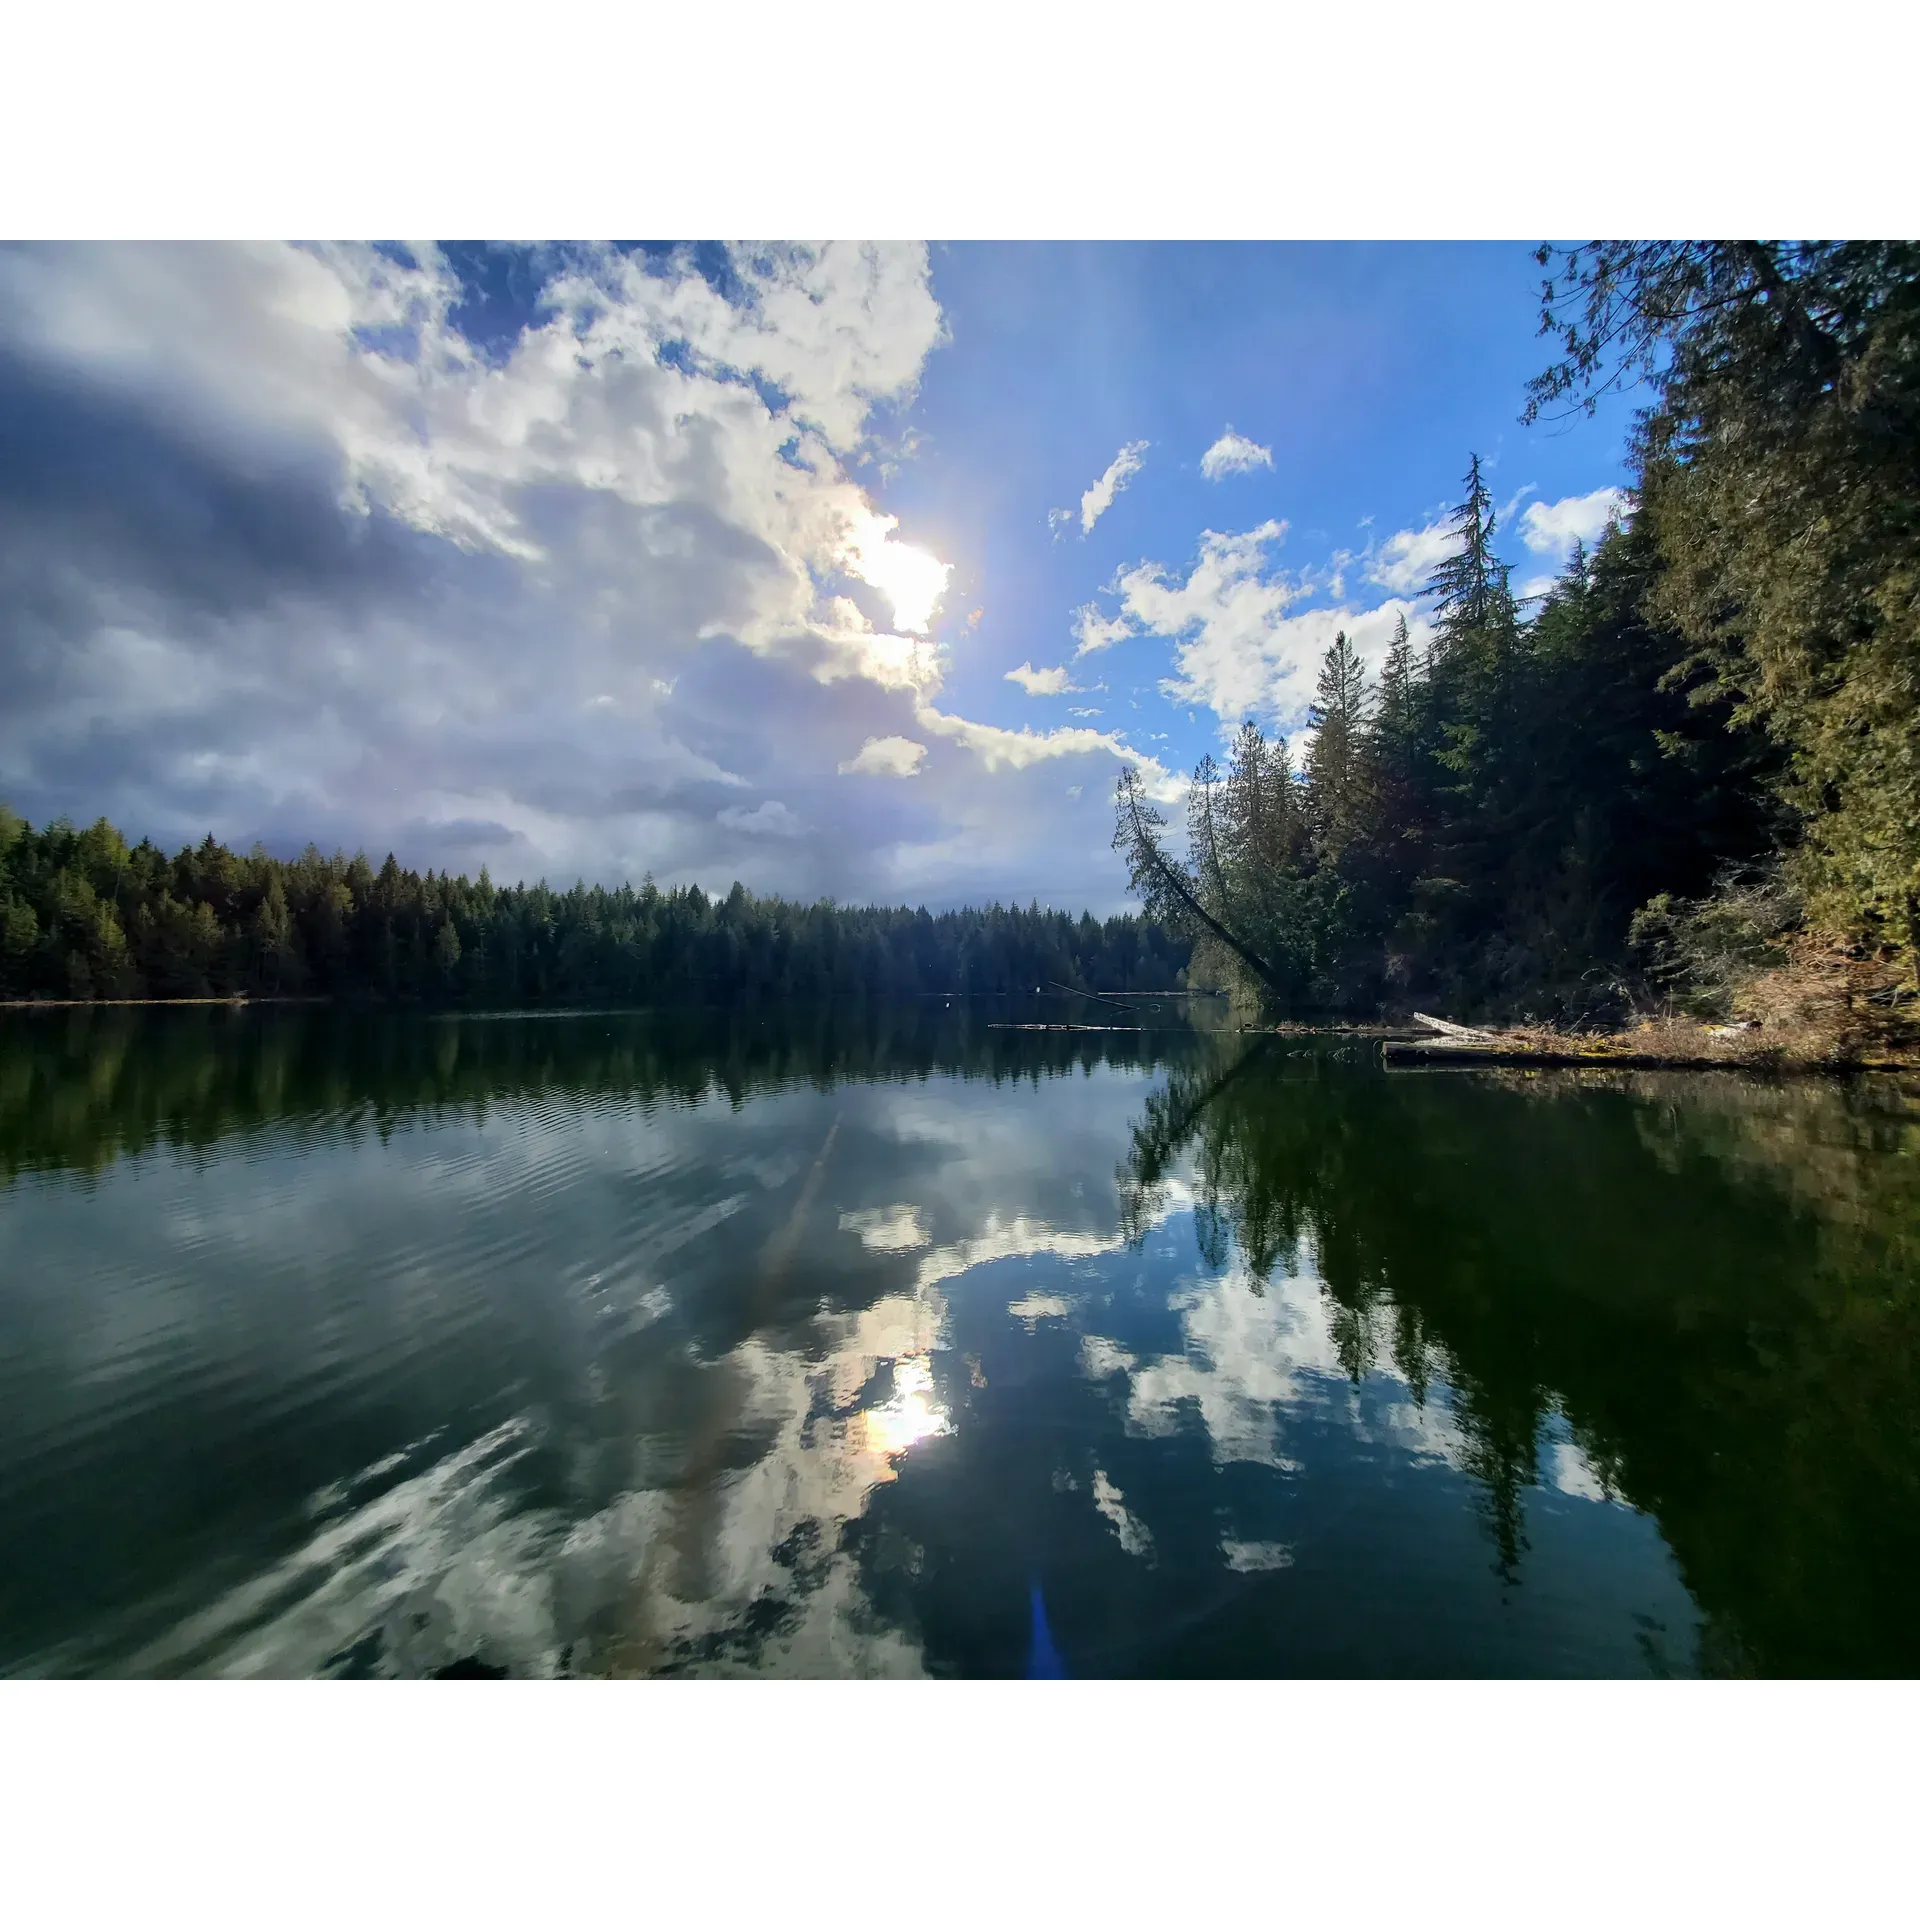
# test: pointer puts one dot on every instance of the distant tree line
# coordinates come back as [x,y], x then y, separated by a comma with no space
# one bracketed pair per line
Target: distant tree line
[1696,757]
[83,916]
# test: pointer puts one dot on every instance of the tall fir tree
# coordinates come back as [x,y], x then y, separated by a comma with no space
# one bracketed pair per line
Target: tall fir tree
[1337,770]
[1470,587]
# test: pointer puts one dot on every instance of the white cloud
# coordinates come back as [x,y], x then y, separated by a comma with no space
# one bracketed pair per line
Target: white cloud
[1405,561]
[854,650]
[1252,1363]
[1094,630]
[771,817]
[1553,528]
[1271,672]
[1017,1239]
[896,1229]
[1240,650]
[1233,453]
[1257,1556]
[1019,749]
[1245,1358]
[1099,497]
[1039,680]
[890,754]
[1228,588]
[1039,1306]
[1134,1537]
[1023,1237]
[1569,1471]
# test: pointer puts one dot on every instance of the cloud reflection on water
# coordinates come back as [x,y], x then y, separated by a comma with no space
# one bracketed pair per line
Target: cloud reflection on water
[677,1381]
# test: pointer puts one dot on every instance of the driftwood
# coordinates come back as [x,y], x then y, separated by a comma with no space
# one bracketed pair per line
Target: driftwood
[1041,1026]
[1457,1036]
[1403,1056]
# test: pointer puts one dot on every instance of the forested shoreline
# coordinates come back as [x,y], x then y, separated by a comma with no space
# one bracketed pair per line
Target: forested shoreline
[1685,779]
[85,916]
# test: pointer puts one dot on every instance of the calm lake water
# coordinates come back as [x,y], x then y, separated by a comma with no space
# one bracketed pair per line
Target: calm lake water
[881,1342]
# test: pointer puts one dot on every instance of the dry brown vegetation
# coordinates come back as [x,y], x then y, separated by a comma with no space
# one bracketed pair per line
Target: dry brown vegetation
[1822,1006]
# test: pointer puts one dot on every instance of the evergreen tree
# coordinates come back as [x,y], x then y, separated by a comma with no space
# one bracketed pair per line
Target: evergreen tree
[1469,588]
[1481,834]
[1338,787]
[83,916]
[1396,731]
[1780,473]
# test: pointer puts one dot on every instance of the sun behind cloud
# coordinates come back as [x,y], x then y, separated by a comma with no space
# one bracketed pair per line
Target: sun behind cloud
[912,580]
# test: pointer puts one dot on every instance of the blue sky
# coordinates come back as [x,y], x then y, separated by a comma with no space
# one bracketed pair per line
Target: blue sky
[1365,373]
[578,562]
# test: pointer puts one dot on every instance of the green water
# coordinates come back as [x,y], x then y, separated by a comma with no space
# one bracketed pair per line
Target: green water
[839,1342]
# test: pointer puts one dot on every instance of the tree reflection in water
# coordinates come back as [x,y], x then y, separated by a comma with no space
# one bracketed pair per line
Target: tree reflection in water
[822,1340]
[1715,1279]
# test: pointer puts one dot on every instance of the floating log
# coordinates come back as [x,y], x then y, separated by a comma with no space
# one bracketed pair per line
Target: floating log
[1457,1036]
[1034,1026]
[1416,1055]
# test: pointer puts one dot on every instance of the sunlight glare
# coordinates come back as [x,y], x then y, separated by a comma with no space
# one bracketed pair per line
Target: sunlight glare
[912,581]
[912,1415]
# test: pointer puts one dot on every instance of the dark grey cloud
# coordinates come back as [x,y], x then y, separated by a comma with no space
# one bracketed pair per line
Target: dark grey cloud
[105,484]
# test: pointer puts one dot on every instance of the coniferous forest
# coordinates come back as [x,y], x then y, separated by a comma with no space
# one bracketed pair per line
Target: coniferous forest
[1687,775]
[85,916]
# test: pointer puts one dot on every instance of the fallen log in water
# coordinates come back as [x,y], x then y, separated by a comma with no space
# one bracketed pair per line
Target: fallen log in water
[1457,1036]
[1413,1055]
[1042,1026]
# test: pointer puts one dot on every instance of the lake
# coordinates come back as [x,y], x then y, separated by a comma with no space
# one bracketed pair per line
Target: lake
[886,1341]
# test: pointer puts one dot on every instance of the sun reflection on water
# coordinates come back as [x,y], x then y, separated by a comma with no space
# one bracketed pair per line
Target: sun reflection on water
[912,1415]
